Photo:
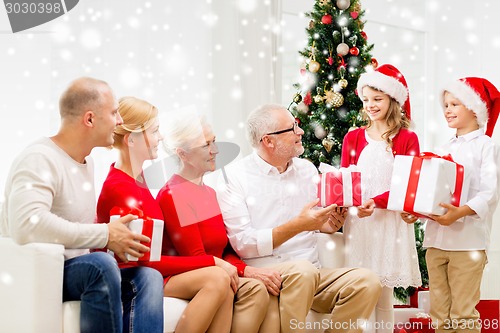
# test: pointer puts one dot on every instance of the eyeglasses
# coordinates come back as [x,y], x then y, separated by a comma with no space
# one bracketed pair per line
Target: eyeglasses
[293,128]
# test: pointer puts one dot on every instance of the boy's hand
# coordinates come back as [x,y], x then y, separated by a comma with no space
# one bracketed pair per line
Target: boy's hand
[454,213]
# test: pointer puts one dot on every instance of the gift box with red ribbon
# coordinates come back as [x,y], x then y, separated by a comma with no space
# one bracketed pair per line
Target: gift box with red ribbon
[420,183]
[339,186]
[152,228]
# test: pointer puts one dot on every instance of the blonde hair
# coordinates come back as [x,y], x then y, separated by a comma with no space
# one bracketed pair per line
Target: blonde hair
[137,114]
[395,118]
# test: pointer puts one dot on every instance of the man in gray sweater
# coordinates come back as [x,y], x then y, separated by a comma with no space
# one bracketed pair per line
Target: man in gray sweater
[50,198]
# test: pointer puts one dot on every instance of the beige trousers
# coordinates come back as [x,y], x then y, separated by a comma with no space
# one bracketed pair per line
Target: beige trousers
[349,294]
[255,310]
[454,286]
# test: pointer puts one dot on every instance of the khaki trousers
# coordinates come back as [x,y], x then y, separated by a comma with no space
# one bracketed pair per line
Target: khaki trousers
[348,294]
[454,287]
[255,310]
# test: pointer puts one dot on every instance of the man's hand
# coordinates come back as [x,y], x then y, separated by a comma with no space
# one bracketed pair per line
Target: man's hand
[452,214]
[271,278]
[230,270]
[313,218]
[409,218]
[366,209]
[335,221]
[122,241]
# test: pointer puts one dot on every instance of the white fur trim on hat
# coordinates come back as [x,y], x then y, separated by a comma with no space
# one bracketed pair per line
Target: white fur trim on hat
[384,83]
[468,96]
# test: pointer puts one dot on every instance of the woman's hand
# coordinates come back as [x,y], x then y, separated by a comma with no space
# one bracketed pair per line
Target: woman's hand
[230,270]
[271,278]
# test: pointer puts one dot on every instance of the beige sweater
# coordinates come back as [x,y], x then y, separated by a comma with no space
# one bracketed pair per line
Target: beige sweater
[50,198]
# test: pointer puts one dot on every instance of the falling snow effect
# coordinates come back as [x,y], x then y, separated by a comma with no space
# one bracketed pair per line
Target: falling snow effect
[133,49]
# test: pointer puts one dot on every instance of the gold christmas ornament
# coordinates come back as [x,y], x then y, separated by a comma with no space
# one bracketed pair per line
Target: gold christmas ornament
[343,49]
[324,2]
[313,66]
[357,7]
[327,143]
[318,99]
[343,83]
[335,99]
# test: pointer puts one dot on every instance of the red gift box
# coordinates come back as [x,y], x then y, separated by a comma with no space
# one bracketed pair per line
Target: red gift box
[341,187]
[420,183]
[489,312]
[152,228]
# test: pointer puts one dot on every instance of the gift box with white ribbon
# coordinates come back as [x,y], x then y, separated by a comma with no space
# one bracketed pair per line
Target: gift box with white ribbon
[339,186]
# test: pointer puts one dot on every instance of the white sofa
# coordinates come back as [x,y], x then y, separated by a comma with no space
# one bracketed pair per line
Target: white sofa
[31,288]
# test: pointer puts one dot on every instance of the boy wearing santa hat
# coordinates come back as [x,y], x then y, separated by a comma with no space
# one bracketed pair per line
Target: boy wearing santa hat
[457,241]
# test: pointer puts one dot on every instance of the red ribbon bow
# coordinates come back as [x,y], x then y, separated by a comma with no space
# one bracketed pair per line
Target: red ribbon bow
[147,226]
[413,183]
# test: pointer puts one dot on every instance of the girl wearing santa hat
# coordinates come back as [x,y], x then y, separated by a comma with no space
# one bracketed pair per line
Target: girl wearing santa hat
[457,241]
[378,239]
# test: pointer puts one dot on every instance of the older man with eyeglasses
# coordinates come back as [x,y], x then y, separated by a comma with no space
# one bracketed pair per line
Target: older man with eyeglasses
[270,210]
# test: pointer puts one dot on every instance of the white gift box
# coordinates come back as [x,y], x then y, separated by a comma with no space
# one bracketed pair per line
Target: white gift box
[420,183]
[151,228]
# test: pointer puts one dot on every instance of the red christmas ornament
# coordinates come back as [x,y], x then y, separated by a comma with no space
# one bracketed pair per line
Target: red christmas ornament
[354,51]
[363,34]
[354,15]
[298,121]
[330,60]
[374,63]
[307,99]
[326,19]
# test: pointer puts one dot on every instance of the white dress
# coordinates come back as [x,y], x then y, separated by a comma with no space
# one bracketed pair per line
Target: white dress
[382,242]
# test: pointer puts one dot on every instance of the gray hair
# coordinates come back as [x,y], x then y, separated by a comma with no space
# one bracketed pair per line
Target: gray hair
[182,130]
[261,121]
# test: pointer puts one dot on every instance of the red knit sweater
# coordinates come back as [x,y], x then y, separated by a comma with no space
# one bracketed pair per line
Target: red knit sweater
[194,221]
[119,189]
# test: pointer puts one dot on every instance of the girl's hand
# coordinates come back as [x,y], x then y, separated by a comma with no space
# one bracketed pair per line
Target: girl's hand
[409,218]
[335,221]
[366,209]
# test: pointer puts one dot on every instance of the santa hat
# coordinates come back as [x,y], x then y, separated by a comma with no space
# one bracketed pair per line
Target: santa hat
[478,95]
[389,80]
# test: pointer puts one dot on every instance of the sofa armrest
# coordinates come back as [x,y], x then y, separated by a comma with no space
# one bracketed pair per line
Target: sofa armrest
[31,278]
[330,249]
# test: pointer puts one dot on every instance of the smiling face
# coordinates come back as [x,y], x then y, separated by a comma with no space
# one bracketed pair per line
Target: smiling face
[458,116]
[146,142]
[202,153]
[287,144]
[376,104]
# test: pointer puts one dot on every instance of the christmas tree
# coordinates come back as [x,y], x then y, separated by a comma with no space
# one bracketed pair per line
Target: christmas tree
[326,104]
